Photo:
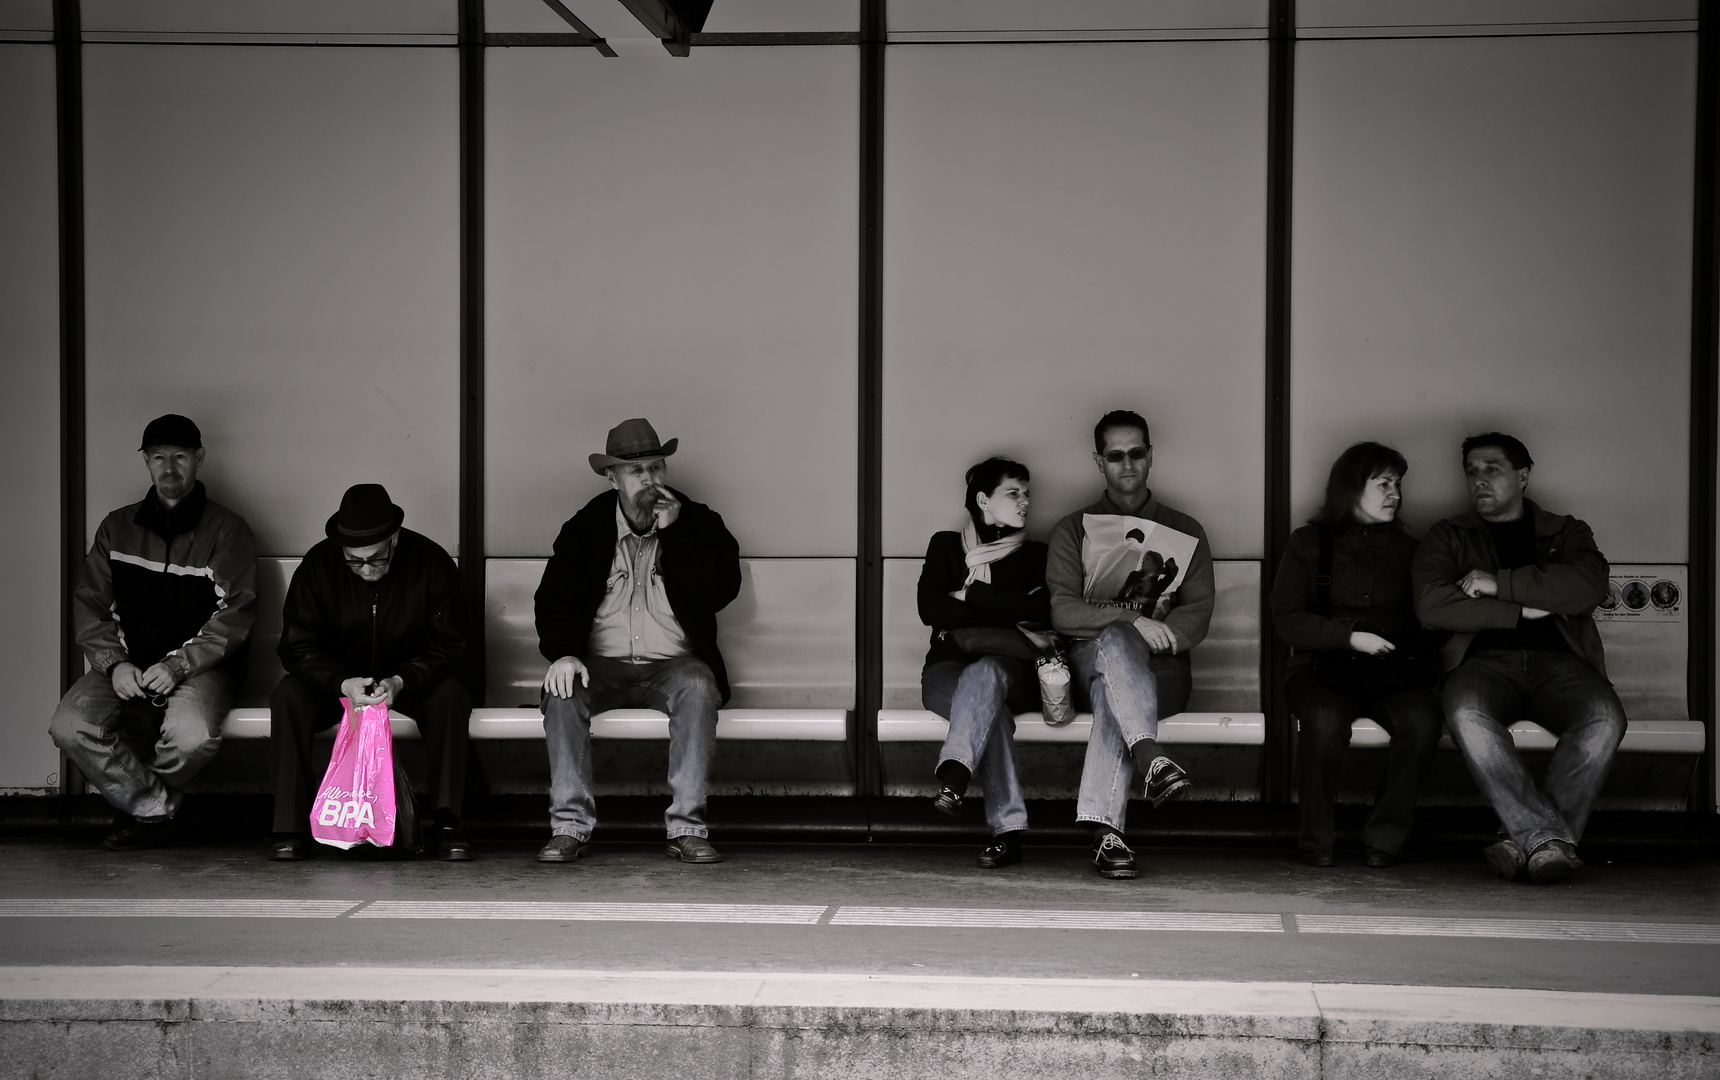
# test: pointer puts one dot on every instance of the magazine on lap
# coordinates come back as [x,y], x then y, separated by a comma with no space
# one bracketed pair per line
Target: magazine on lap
[1134,563]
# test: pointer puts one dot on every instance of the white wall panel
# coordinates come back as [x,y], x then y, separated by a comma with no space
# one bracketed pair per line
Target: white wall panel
[1495,234]
[271,16]
[273,250]
[29,417]
[674,240]
[1071,229]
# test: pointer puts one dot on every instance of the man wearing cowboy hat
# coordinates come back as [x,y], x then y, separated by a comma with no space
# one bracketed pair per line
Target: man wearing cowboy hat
[627,617]
[162,611]
[372,616]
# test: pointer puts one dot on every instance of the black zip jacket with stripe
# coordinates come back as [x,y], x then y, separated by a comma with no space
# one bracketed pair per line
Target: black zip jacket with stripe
[176,586]
[336,626]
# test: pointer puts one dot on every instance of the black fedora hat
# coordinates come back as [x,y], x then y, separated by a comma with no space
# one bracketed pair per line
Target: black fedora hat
[631,440]
[366,516]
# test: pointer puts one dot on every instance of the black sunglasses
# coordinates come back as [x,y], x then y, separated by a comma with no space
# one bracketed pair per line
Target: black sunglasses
[1116,457]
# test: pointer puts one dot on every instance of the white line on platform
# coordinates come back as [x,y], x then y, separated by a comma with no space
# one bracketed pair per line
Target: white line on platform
[173,909]
[1025,919]
[793,914]
[1535,929]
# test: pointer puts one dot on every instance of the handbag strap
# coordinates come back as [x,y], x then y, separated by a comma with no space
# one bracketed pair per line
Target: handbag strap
[1323,574]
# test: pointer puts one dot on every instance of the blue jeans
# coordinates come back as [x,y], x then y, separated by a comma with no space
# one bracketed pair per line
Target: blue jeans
[1127,688]
[1489,691]
[684,688]
[980,699]
[138,756]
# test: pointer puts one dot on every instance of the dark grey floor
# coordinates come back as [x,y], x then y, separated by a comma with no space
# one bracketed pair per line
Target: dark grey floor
[1659,889]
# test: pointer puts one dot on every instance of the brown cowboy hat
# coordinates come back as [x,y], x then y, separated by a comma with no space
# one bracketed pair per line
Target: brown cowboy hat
[631,440]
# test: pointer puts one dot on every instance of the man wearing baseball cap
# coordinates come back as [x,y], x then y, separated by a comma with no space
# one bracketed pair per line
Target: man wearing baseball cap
[162,611]
[372,615]
[627,617]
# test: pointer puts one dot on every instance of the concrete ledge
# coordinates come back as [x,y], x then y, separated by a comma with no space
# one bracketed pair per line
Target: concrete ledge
[310,1022]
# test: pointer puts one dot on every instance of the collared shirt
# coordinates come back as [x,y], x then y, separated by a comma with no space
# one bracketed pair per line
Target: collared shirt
[635,621]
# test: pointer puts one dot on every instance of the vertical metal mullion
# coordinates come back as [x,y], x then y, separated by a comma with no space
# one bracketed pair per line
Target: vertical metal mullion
[1281,56]
[471,57]
[1704,342]
[869,610]
[69,119]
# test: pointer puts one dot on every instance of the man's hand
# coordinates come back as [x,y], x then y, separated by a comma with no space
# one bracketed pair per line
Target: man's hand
[125,675]
[1160,638]
[357,691]
[668,508]
[1478,583]
[562,674]
[1372,644]
[1535,613]
[158,680]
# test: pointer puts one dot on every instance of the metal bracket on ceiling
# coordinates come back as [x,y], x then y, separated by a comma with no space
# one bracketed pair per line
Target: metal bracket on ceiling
[579,27]
[670,23]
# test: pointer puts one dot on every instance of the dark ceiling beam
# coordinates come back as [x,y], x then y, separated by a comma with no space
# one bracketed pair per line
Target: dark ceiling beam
[673,22]
[582,31]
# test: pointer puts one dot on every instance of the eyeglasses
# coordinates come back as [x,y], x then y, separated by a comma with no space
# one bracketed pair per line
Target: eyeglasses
[1116,457]
[378,561]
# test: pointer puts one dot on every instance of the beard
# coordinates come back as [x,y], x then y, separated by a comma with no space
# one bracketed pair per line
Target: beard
[645,503]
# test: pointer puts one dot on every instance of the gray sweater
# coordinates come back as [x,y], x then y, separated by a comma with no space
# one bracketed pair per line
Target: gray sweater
[1071,614]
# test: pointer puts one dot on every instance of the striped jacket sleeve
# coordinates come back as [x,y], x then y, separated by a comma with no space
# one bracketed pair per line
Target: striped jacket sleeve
[233,565]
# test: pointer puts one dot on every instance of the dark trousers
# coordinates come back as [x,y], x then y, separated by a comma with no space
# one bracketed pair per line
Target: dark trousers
[1411,717]
[298,710]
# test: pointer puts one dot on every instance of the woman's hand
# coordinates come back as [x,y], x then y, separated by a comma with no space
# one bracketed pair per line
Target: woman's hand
[1371,644]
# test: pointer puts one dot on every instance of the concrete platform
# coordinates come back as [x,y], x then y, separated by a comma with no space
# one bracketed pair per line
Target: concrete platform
[859,960]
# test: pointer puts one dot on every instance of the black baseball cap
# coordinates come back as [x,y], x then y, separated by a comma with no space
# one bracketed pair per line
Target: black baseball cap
[172,430]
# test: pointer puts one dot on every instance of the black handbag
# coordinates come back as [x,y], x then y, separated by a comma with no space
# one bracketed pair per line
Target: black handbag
[978,641]
[1356,674]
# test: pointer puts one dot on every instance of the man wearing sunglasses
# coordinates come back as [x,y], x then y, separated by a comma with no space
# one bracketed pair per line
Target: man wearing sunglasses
[1132,668]
[372,616]
[162,611]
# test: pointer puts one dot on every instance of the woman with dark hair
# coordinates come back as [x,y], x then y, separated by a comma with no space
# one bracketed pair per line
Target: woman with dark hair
[1342,601]
[976,586]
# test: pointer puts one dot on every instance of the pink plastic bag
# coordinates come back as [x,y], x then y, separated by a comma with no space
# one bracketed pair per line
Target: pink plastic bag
[355,804]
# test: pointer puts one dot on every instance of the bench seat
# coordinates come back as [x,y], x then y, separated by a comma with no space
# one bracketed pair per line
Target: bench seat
[1640,737]
[1211,729]
[794,725]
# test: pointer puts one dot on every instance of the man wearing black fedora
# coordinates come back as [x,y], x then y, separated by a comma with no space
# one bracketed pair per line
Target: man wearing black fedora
[371,615]
[162,611]
[627,617]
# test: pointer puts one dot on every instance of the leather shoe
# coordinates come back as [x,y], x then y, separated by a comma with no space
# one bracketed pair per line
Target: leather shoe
[1112,858]
[134,835]
[693,849]
[1552,860]
[452,845]
[1319,858]
[1507,858]
[1165,780]
[563,848]
[947,802]
[1376,858]
[1003,850]
[289,848]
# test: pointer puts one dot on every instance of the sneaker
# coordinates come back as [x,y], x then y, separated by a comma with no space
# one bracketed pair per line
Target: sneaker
[290,848]
[452,845]
[1552,860]
[948,802]
[1507,858]
[134,835]
[1003,851]
[563,849]
[1112,858]
[1165,780]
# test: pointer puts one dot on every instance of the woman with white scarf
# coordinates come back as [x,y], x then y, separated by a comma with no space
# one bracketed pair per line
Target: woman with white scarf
[976,586]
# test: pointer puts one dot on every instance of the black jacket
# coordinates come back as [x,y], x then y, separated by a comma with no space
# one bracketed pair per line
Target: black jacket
[701,566]
[1370,591]
[1017,592]
[336,626]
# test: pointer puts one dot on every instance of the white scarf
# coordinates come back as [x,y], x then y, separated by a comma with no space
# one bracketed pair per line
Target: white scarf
[981,556]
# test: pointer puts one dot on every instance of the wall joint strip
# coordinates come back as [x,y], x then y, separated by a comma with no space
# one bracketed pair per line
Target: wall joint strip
[471,56]
[869,611]
[1704,346]
[1277,756]
[69,119]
